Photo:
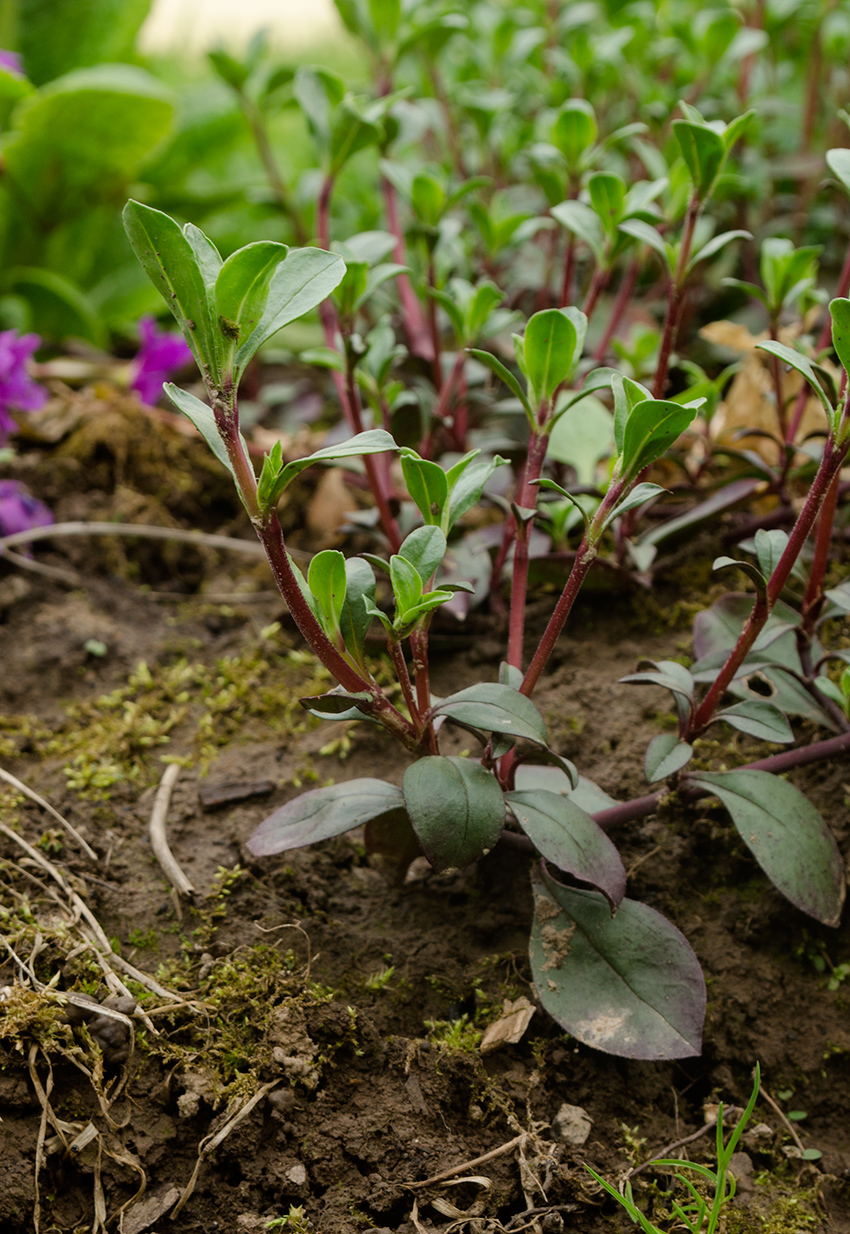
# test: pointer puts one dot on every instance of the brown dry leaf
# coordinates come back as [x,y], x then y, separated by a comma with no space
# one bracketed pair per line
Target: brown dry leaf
[329,505]
[749,402]
[510,1026]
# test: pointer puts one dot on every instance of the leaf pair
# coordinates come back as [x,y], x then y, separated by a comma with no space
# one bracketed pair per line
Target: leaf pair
[227,309]
[442,497]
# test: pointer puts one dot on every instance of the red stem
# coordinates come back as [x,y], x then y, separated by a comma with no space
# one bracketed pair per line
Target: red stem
[620,306]
[813,599]
[830,465]
[415,326]
[676,293]
[526,499]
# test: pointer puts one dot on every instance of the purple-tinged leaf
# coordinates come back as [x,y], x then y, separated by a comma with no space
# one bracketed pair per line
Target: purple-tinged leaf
[757,719]
[322,813]
[495,708]
[628,985]
[455,807]
[787,837]
[666,755]
[569,838]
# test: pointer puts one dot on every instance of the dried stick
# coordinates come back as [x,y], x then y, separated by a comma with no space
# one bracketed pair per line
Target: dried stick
[211,1143]
[517,1142]
[45,805]
[158,837]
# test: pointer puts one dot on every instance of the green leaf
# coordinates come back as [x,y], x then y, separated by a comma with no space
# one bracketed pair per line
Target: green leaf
[203,419]
[752,571]
[582,222]
[628,985]
[374,441]
[838,162]
[652,427]
[608,196]
[627,394]
[355,618]
[170,263]
[574,130]
[206,255]
[322,813]
[704,152]
[242,289]
[839,310]
[716,244]
[770,545]
[427,485]
[407,587]
[582,436]
[504,374]
[466,489]
[787,837]
[639,230]
[639,496]
[55,36]
[803,365]
[326,579]
[494,708]
[337,705]
[455,807]
[761,720]
[568,837]
[550,351]
[666,755]
[304,279]
[425,549]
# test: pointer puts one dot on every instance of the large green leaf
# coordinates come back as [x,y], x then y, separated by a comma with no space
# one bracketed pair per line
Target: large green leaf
[326,578]
[840,312]
[169,261]
[356,617]
[79,140]
[629,984]
[55,36]
[550,351]
[303,280]
[276,474]
[455,807]
[324,812]
[568,837]
[495,708]
[704,152]
[424,549]
[652,427]
[242,289]
[787,837]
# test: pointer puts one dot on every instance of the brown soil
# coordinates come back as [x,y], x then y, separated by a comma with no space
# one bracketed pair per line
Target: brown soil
[349,1003]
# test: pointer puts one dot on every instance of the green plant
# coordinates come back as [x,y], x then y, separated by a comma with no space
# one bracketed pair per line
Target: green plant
[701,1211]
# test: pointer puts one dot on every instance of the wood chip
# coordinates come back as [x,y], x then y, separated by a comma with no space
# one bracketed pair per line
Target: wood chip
[510,1026]
[223,793]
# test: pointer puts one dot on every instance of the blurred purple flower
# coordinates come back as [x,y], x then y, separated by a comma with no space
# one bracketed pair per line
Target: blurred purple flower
[19,510]
[11,61]
[18,391]
[160,355]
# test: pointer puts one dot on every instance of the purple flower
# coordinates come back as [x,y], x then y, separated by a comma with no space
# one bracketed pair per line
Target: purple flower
[19,510]
[159,356]
[11,61]
[18,391]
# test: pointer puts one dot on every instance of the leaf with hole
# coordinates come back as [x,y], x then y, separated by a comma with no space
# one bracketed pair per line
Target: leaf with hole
[787,837]
[322,813]
[455,807]
[628,985]
[569,838]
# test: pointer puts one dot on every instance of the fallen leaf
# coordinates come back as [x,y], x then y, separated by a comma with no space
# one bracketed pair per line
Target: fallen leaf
[510,1026]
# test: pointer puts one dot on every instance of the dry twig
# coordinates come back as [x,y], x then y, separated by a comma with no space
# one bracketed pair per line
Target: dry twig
[158,836]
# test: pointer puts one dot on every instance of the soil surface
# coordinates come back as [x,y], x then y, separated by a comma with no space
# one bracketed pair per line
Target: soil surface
[309,1033]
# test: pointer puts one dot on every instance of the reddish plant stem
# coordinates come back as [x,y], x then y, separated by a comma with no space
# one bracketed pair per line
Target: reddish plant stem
[830,465]
[444,401]
[598,283]
[526,499]
[813,599]
[584,559]
[433,325]
[640,807]
[620,305]
[823,341]
[676,296]
[400,666]
[415,327]
[569,270]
